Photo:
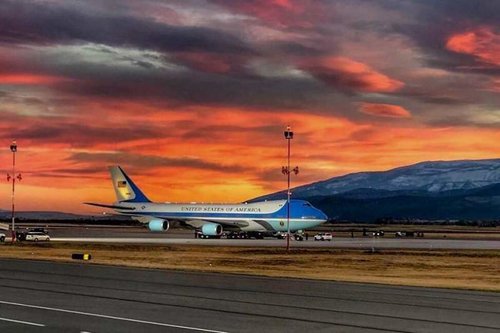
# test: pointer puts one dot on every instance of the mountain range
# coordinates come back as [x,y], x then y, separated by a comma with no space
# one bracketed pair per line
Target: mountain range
[436,190]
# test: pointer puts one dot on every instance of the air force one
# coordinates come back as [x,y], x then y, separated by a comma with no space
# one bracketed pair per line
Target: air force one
[211,219]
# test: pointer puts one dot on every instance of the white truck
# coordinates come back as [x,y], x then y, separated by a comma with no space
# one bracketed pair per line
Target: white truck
[323,236]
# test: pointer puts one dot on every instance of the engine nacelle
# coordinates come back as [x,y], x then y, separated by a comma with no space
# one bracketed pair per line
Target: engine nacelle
[158,225]
[211,229]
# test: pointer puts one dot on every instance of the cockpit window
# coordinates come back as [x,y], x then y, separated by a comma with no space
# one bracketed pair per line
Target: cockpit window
[307,204]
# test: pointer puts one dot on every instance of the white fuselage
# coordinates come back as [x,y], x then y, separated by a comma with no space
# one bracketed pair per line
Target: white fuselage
[258,216]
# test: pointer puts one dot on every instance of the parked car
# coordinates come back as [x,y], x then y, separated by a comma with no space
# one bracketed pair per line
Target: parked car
[2,237]
[36,236]
[322,236]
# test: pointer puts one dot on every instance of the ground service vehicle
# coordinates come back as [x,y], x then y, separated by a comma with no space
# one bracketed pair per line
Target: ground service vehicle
[322,236]
[36,236]
[246,235]
[282,235]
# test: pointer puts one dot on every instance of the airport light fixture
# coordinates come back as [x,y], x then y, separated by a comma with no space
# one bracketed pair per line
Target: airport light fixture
[286,170]
[13,177]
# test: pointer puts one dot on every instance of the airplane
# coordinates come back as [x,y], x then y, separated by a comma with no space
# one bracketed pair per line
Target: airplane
[211,219]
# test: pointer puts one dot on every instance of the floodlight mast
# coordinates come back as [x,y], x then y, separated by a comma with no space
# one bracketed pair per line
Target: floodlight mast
[13,149]
[287,171]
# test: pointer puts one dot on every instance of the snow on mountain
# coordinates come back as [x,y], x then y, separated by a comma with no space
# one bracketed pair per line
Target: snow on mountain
[432,177]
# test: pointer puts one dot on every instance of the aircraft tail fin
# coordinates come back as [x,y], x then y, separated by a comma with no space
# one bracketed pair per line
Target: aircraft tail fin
[125,188]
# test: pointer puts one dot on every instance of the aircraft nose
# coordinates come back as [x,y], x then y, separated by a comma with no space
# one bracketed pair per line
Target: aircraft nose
[321,215]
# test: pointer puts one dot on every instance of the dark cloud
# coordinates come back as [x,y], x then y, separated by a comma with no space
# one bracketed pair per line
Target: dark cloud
[137,161]
[446,91]
[62,130]
[81,134]
[23,22]
[436,98]
[477,11]
[193,88]
[258,135]
[94,172]
[210,67]
[295,48]
[462,119]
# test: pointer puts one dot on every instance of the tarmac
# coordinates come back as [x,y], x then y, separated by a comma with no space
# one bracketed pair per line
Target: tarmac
[183,237]
[347,243]
[56,297]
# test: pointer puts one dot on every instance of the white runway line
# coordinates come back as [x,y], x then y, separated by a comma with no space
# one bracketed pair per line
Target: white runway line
[110,317]
[21,322]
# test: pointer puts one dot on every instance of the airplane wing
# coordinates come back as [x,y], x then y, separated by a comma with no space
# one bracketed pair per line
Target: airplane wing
[231,224]
[194,223]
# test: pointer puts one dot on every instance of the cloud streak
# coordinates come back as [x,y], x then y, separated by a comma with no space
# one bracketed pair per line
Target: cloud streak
[385,110]
[482,43]
[26,22]
[345,73]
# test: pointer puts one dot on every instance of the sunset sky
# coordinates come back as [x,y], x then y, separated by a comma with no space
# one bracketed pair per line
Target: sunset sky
[191,97]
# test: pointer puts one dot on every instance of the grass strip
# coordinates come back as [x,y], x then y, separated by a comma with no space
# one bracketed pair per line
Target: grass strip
[462,269]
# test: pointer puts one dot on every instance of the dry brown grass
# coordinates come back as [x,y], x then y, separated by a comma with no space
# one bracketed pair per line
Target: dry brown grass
[464,269]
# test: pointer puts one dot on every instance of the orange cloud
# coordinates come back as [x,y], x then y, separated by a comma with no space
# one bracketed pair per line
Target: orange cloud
[28,79]
[284,3]
[244,141]
[495,85]
[348,73]
[482,43]
[230,154]
[385,110]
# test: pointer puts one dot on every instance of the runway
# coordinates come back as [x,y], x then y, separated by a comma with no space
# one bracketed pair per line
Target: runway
[50,297]
[347,243]
[185,237]
[135,235]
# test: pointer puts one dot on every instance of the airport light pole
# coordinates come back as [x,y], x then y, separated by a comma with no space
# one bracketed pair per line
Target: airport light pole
[13,177]
[287,171]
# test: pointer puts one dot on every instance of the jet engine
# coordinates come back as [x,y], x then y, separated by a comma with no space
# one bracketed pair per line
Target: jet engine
[158,225]
[211,229]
